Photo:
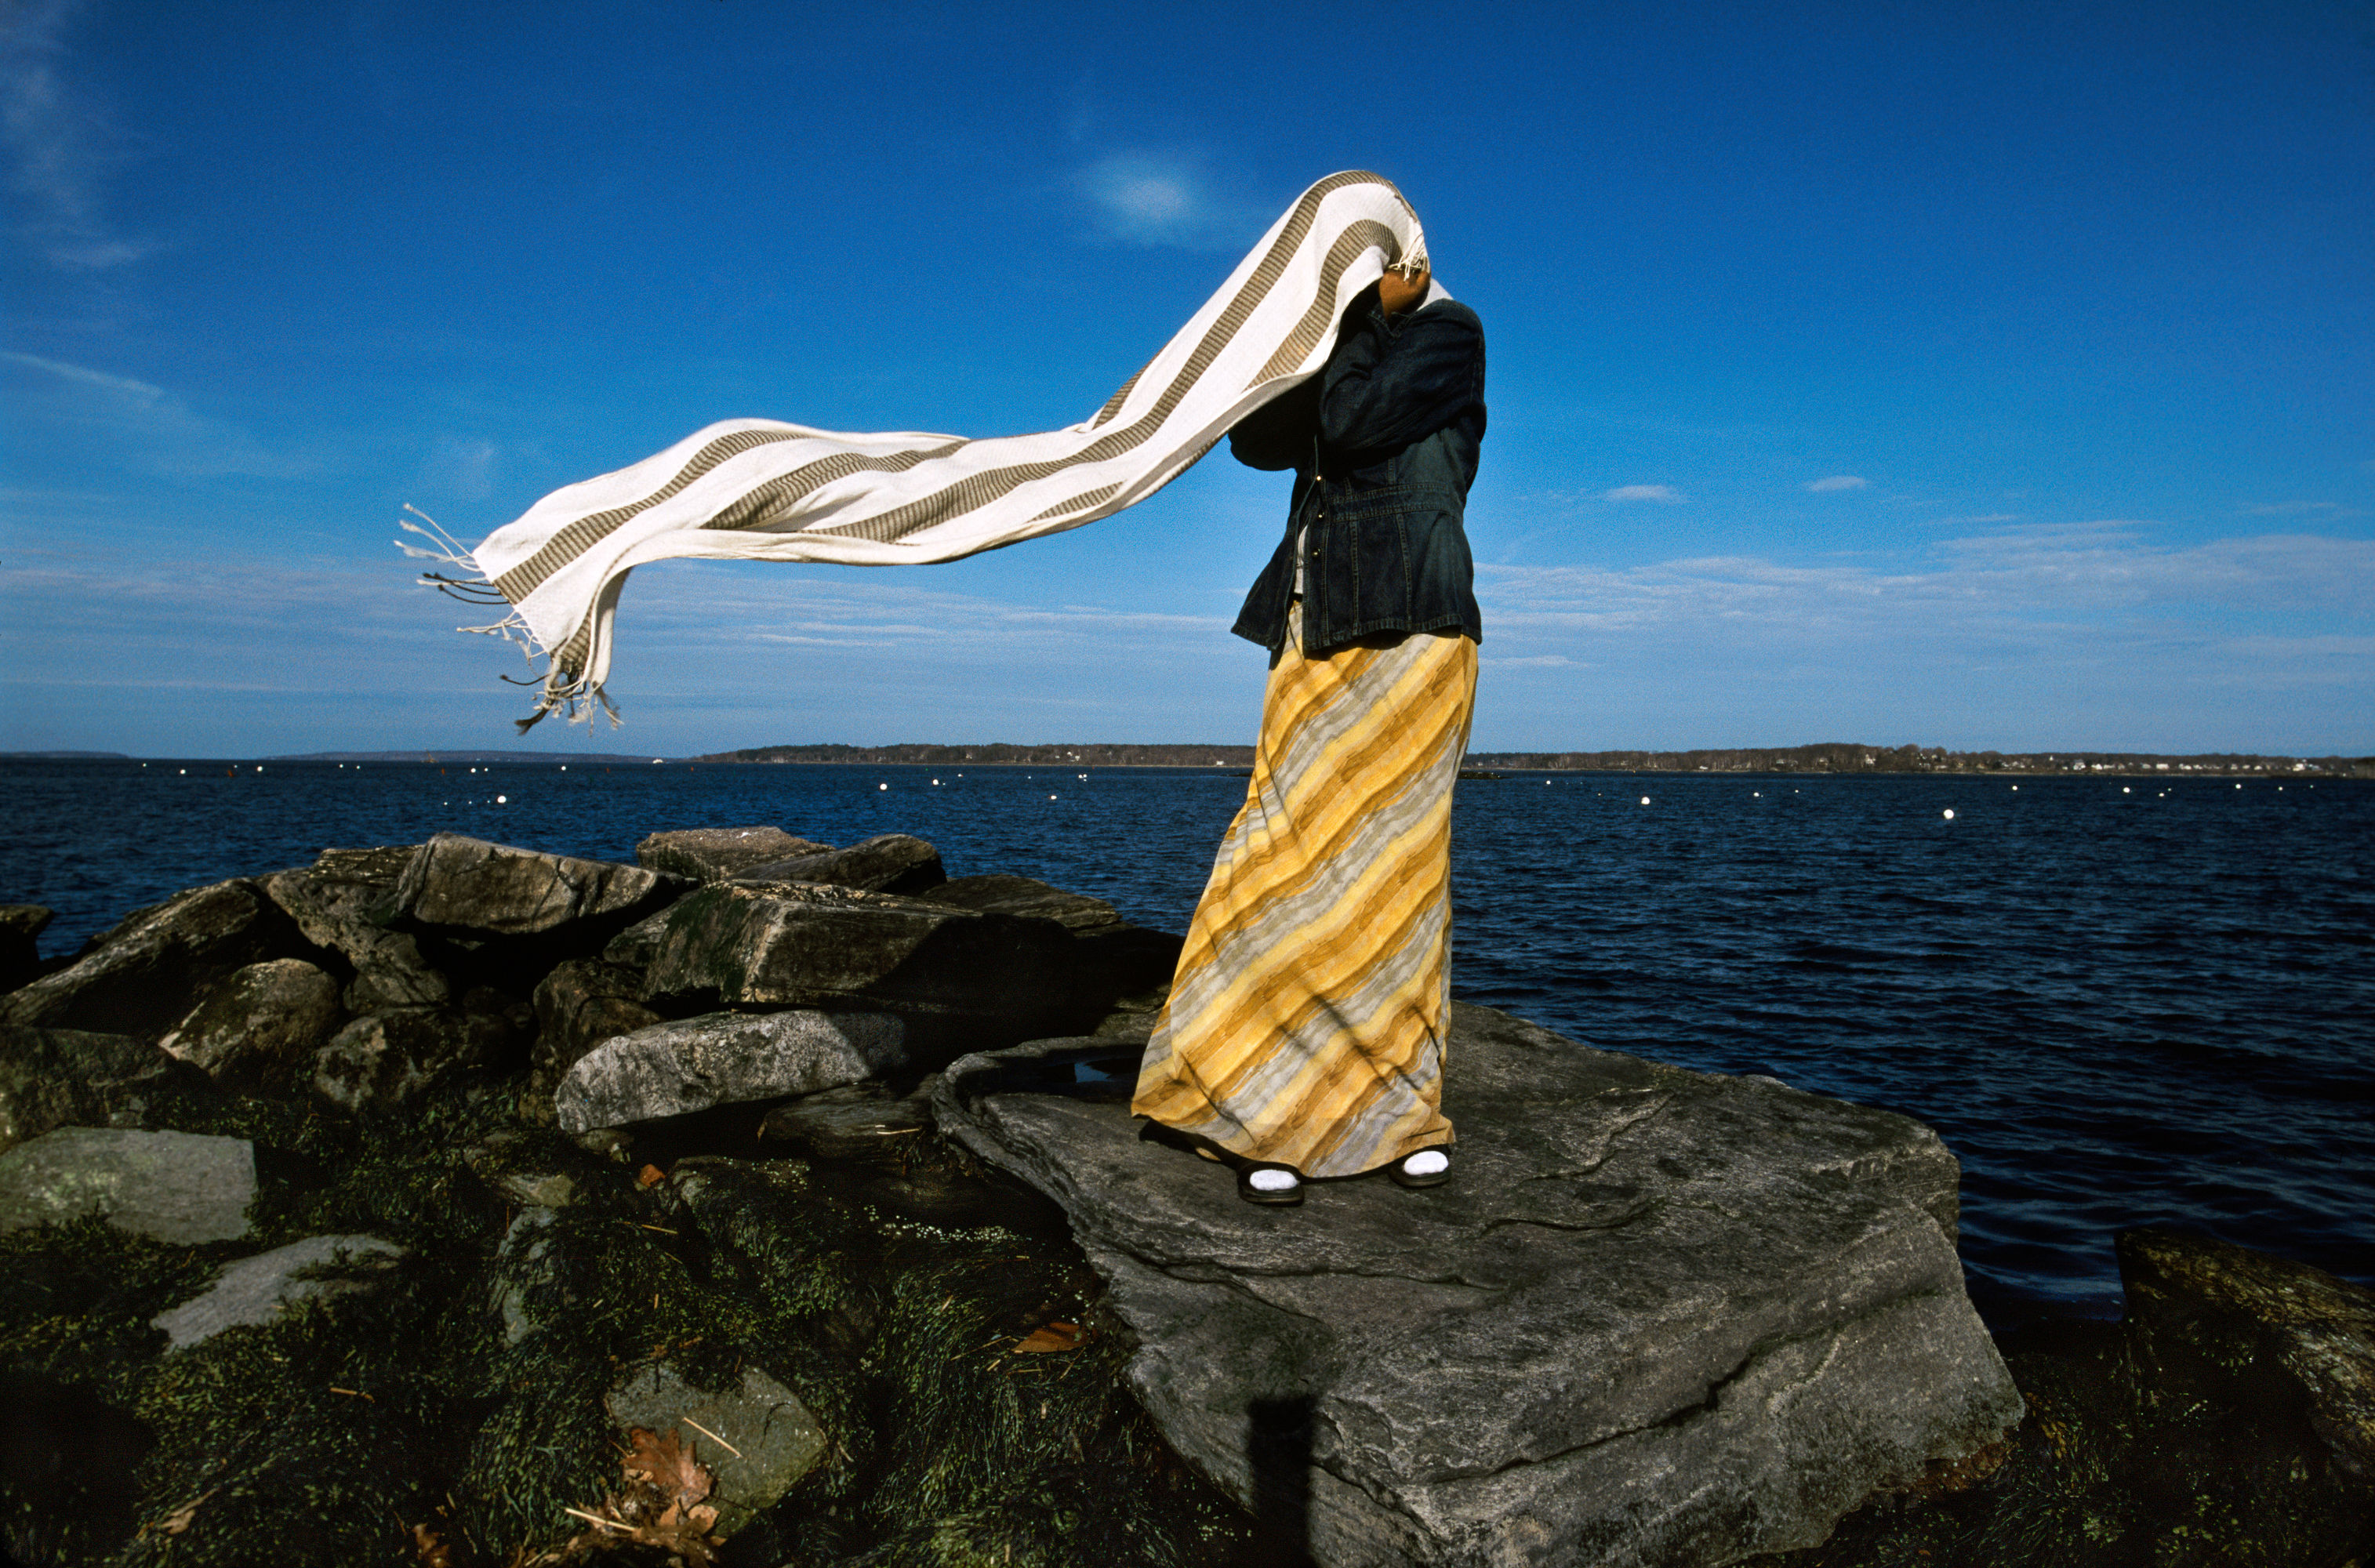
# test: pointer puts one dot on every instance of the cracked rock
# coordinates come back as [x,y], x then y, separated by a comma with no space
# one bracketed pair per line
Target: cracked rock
[260,1022]
[712,855]
[1657,1319]
[891,863]
[144,977]
[256,1289]
[667,1069]
[469,887]
[754,1437]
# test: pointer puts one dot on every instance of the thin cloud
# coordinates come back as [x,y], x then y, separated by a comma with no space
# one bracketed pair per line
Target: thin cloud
[57,144]
[2292,508]
[1668,494]
[1164,199]
[463,469]
[1838,482]
[153,426]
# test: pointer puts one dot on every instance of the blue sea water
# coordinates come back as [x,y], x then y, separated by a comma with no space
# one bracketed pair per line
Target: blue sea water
[2120,1001]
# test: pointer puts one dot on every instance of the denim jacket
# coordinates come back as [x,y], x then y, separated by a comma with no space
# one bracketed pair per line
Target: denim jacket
[1383,442]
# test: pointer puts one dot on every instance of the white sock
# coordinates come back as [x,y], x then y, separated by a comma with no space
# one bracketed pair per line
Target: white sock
[1427,1162]
[1272,1180]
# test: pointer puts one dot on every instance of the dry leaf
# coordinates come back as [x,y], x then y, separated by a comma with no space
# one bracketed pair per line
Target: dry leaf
[669,1463]
[650,1176]
[435,1550]
[1051,1336]
[173,1524]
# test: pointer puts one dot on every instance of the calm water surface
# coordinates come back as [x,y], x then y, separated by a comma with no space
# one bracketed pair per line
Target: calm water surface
[2121,1002]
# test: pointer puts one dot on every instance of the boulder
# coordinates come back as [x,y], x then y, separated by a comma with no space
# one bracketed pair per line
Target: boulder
[170,1186]
[2202,1312]
[639,943]
[260,1022]
[382,1061]
[712,855]
[1114,964]
[861,1122]
[1001,893]
[894,863]
[667,1069]
[1657,1317]
[21,925]
[582,1003]
[56,1078]
[798,944]
[471,888]
[144,977]
[254,1290]
[339,903]
[755,1437]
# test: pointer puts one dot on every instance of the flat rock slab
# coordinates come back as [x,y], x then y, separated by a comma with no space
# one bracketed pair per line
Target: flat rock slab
[1657,1317]
[468,885]
[144,977]
[171,1186]
[889,862]
[795,944]
[712,855]
[667,1069]
[259,1021]
[56,1078]
[770,1440]
[254,1290]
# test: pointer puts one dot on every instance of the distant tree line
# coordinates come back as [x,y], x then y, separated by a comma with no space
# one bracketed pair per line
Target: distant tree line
[1832,757]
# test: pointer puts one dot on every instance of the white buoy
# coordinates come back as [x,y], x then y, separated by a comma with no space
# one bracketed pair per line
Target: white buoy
[505,800]
[1949,813]
[1645,800]
[936,784]
[882,786]
[1051,798]
[2123,789]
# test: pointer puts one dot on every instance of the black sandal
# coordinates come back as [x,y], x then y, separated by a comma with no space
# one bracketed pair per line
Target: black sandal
[1252,1193]
[1402,1178]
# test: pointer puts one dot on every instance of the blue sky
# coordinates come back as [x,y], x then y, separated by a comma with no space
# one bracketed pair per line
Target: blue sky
[1979,375]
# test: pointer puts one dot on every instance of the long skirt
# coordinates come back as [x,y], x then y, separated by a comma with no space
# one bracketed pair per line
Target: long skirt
[1306,1024]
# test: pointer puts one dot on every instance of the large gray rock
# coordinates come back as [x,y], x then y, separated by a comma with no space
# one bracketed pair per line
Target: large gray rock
[339,903]
[893,863]
[470,887]
[1002,892]
[56,1078]
[582,1003]
[2199,1306]
[1657,1317]
[254,1290]
[21,925]
[667,1069]
[171,1186]
[798,944]
[260,1022]
[712,855]
[863,1122]
[382,1063]
[755,1438]
[144,977]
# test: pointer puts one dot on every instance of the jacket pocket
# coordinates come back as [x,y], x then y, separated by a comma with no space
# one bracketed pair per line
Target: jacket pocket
[1376,541]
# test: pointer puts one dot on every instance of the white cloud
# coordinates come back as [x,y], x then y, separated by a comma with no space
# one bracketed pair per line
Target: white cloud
[153,427]
[2294,509]
[1164,198]
[463,469]
[56,144]
[1666,493]
[1838,482]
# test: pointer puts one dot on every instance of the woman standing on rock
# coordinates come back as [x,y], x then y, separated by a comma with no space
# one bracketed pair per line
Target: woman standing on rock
[1304,1033]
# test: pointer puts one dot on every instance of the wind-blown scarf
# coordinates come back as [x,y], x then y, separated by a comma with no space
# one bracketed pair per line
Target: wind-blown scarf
[760,489]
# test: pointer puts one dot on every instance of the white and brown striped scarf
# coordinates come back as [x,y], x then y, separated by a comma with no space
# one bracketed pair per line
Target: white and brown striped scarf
[761,490]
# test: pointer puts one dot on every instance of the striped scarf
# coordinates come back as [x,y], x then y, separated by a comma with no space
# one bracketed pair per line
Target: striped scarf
[760,489]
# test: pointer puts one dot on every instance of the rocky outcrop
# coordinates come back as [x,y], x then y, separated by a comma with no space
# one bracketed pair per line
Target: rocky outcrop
[471,887]
[56,1078]
[861,1122]
[144,977]
[2203,1311]
[339,903]
[893,863]
[169,1186]
[254,1290]
[21,925]
[667,1069]
[260,1022]
[1000,892]
[1117,968]
[754,1436]
[1657,1317]
[582,1003]
[384,1062]
[712,855]
[796,945]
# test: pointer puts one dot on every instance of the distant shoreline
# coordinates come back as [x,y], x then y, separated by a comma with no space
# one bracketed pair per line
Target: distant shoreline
[1830,758]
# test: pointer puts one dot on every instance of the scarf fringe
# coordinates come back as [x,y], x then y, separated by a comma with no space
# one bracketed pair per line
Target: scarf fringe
[558,691]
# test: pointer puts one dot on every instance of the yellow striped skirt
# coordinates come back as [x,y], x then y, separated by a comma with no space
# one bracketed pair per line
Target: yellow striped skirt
[1306,1024]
